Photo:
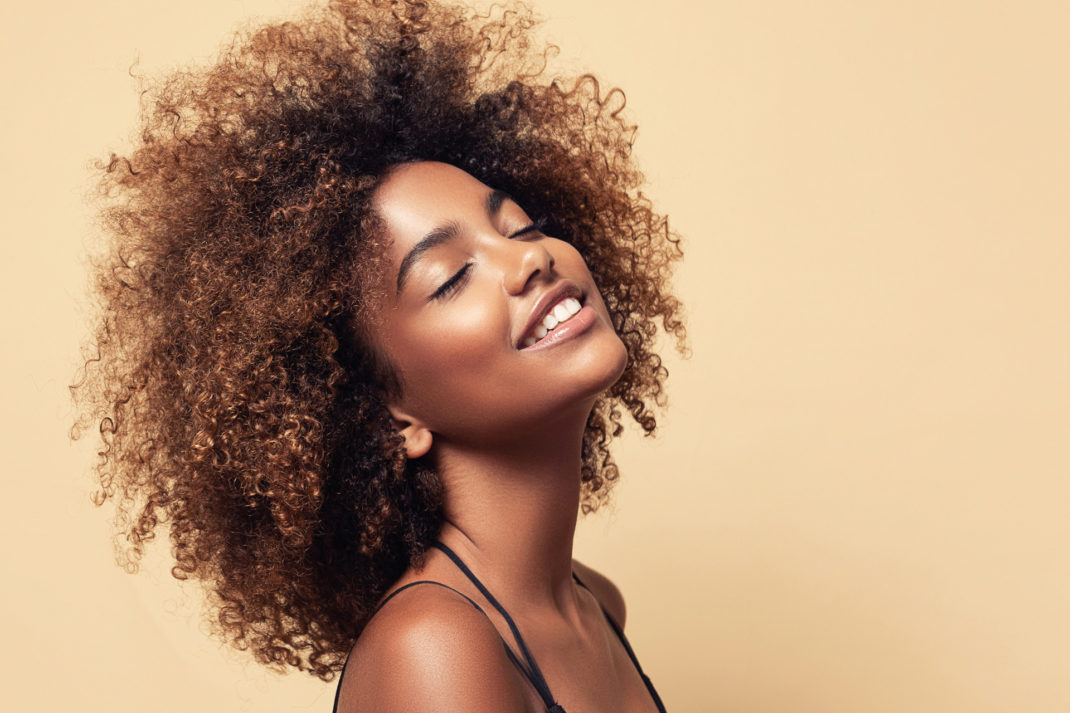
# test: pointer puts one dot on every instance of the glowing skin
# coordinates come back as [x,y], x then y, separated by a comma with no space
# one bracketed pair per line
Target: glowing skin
[466,378]
[502,424]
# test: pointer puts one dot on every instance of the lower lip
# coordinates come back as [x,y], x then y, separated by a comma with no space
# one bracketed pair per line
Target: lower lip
[580,323]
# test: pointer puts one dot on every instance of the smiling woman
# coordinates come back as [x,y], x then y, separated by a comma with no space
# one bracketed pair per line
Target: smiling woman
[377,299]
[468,308]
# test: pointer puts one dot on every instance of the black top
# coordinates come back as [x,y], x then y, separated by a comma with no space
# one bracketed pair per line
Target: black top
[527,666]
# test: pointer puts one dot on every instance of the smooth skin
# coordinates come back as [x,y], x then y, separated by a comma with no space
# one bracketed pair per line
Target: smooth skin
[503,427]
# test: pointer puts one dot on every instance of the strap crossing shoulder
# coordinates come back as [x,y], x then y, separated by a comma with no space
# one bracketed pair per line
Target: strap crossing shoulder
[399,590]
[531,670]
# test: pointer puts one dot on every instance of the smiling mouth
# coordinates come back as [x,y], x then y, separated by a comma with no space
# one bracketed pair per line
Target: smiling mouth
[561,312]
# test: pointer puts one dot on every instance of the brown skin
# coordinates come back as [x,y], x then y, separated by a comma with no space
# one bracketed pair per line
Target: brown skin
[463,377]
[504,432]
[241,412]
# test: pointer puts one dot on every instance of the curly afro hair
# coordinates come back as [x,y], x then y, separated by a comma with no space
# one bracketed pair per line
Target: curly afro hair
[237,402]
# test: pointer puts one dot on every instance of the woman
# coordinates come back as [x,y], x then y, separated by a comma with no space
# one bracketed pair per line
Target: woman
[376,301]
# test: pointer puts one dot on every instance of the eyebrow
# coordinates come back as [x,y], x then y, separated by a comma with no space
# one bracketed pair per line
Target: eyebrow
[443,234]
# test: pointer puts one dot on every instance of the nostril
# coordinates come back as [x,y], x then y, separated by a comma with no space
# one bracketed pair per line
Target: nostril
[536,265]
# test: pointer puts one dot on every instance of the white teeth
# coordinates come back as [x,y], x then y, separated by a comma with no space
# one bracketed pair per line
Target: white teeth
[562,311]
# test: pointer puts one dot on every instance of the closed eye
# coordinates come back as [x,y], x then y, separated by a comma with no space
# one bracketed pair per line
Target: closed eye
[535,227]
[461,276]
[453,284]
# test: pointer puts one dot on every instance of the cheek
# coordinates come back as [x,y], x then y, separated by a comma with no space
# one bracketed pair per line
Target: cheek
[571,262]
[565,254]
[443,359]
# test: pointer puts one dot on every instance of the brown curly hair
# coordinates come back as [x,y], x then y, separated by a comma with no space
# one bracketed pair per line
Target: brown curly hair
[236,398]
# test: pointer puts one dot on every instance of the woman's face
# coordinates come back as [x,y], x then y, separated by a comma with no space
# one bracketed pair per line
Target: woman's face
[494,328]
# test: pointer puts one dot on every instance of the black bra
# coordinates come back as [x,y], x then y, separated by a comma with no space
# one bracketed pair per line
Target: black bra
[527,664]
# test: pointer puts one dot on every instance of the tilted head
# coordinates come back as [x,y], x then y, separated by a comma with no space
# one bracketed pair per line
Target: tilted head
[245,382]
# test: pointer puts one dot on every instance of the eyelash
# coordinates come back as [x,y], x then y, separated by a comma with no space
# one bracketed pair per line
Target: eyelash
[536,227]
[459,278]
[453,284]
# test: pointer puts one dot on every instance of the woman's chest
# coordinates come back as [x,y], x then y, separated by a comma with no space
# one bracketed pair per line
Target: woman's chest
[595,676]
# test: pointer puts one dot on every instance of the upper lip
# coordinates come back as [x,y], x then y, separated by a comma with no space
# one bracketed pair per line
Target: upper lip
[551,297]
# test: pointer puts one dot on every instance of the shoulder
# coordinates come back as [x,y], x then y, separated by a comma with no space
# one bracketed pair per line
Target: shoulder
[605,591]
[429,649]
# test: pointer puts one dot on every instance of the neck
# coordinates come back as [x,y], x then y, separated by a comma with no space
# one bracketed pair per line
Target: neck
[510,513]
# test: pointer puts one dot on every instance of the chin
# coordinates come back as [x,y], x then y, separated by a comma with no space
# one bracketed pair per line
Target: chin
[621,364]
[608,366]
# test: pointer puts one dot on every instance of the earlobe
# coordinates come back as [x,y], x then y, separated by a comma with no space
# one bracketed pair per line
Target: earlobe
[417,436]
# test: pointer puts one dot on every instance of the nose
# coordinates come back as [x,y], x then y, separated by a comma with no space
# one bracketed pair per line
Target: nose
[526,261]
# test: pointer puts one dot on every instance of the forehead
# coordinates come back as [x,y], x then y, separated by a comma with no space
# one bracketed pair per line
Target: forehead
[418,197]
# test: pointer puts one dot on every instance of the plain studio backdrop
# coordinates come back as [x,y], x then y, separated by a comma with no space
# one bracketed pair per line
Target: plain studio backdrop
[858,499]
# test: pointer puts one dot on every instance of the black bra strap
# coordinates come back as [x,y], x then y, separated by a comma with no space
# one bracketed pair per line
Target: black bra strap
[401,589]
[532,671]
[627,647]
[398,591]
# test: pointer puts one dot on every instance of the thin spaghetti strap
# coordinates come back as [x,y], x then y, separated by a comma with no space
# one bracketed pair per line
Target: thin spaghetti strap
[401,589]
[398,591]
[532,671]
[627,647]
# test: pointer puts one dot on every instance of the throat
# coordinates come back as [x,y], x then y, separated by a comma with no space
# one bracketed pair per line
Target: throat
[515,520]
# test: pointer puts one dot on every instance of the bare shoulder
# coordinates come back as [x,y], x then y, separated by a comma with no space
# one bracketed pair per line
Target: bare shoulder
[430,650]
[604,590]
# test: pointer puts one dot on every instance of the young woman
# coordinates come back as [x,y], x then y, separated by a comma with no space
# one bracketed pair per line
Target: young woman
[376,302]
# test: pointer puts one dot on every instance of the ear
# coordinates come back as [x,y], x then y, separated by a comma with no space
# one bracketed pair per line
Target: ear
[417,435]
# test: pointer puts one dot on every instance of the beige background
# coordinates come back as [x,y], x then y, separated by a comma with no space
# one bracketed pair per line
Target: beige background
[858,502]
